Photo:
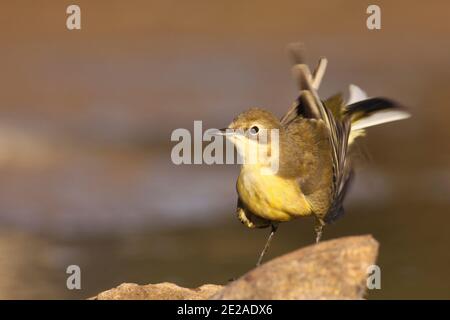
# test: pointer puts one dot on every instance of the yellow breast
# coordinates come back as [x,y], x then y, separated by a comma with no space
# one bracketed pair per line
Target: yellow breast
[270,196]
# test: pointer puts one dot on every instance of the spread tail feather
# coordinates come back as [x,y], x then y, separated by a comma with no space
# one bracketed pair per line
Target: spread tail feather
[368,112]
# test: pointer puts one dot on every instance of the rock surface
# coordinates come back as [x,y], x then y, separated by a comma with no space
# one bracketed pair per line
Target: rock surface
[160,291]
[335,269]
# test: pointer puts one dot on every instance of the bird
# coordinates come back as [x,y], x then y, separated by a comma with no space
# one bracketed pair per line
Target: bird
[314,166]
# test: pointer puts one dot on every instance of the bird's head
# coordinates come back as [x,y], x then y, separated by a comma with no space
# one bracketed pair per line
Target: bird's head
[255,133]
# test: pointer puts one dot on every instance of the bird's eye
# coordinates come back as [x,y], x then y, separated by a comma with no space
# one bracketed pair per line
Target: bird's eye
[254,130]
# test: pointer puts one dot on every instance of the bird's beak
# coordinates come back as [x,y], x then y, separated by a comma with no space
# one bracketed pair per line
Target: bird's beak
[223,132]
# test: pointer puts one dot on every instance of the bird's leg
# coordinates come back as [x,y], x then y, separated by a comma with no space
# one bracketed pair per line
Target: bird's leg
[266,247]
[319,229]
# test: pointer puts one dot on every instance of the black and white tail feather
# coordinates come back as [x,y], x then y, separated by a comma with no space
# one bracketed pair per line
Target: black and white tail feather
[345,121]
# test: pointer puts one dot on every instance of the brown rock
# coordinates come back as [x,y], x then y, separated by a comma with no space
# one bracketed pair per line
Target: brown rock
[160,291]
[335,269]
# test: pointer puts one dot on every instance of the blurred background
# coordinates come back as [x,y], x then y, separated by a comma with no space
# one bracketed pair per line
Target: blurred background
[86,117]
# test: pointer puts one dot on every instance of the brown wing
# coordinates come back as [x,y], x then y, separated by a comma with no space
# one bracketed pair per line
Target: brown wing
[309,106]
[306,157]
